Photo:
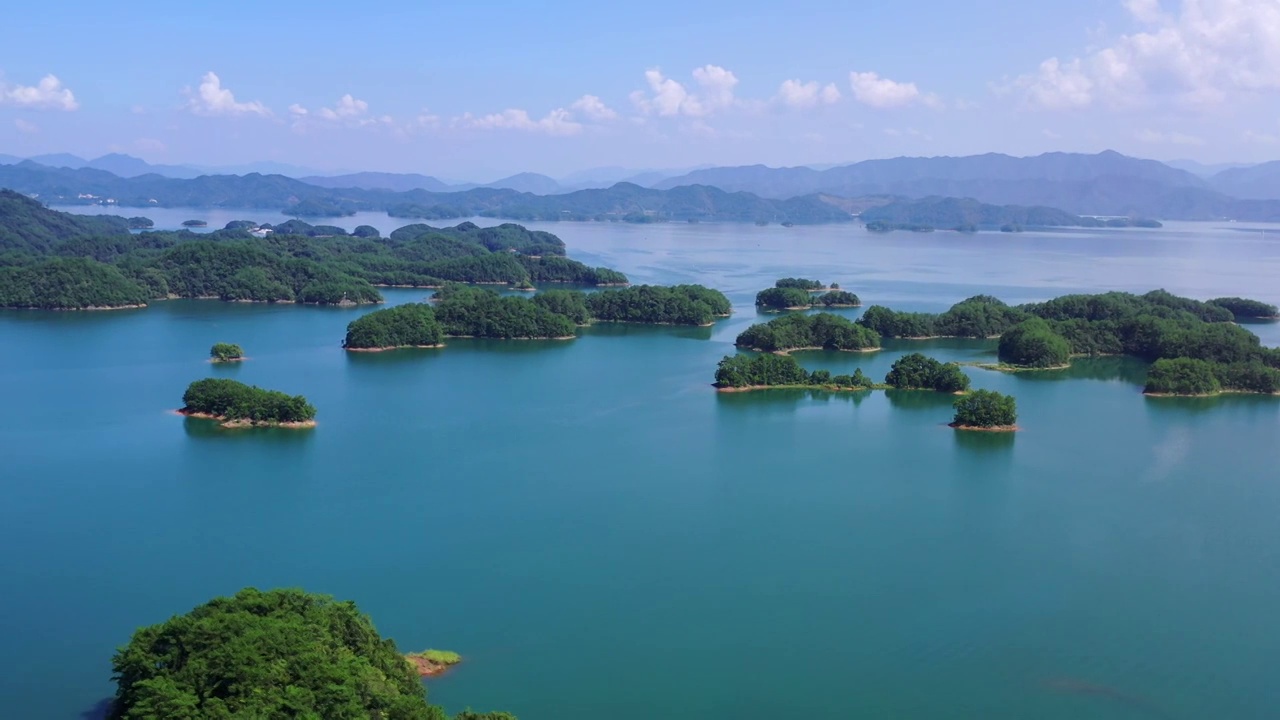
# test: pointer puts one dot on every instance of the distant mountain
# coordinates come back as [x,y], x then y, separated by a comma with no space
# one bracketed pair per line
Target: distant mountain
[10,159]
[1254,182]
[1107,183]
[60,160]
[958,213]
[622,202]
[129,166]
[267,167]
[397,182]
[1203,170]
[528,182]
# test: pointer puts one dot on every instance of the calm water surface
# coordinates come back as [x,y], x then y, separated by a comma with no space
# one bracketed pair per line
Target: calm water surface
[602,535]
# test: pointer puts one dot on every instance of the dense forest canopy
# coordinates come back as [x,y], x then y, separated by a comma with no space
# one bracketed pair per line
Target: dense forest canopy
[822,330]
[801,283]
[408,325]
[980,316]
[1032,343]
[57,260]
[225,352]
[675,305]
[1245,308]
[967,215]
[784,298]
[231,400]
[273,654]
[480,312]
[985,409]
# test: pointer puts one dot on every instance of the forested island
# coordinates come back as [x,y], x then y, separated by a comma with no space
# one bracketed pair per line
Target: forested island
[822,331]
[226,352]
[802,294]
[986,410]
[238,405]
[272,654]
[740,373]
[55,260]
[465,311]
[969,215]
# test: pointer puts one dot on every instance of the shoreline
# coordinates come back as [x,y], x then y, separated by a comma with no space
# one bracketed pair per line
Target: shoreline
[1209,395]
[1001,367]
[221,361]
[223,421]
[979,428]
[825,388]
[385,348]
[788,351]
[87,308]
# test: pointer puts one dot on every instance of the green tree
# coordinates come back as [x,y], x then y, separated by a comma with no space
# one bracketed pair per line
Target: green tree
[225,352]
[1032,343]
[919,372]
[1182,376]
[784,298]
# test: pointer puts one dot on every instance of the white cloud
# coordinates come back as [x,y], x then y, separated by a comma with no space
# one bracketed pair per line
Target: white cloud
[297,110]
[25,127]
[48,94]
[1258,138]
[668,98]
[213,99]
[1200,54]
[556,122]
[1051,134]
[593,108]
[347,107]
[1157,137]
[880,92]
[798,94]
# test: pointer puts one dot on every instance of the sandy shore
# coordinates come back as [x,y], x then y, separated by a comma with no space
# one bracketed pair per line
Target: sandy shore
[975,428]
[221,361]
[825,388]
[788,351]
[390,347]
[224,422]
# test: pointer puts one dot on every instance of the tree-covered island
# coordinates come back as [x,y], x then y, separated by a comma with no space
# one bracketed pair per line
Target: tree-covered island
[740,373]
[465,311]
[226,352]
[821,331]
[273,654]
[1246,309]
[236,404]
[986,410]
[55,260]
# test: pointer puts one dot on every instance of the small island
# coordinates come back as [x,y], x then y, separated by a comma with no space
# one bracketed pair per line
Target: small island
[194,223]
[780,298]
[402,326]
[1191,377]
[1247,309]
[660,305]
[920,372]
[822,331]
[226,352]
[799,294]
[140,223]
[742,373]
[986,410]
[236,404]
[429,663]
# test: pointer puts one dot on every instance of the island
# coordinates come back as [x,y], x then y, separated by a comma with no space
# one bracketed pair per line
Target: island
[799,294]
[226,352]
[429,663]
[483,313]
[270,654]
[920,372]
[780,298]
[967,215]
[838,299]
[986,410]
[57,260]
[980,316]
[402,326]
[194,223]
[660,305]
[140,223]
[821,331]
[741,373]
[803,284]
[1201,378]
[1247,309]
[236,405]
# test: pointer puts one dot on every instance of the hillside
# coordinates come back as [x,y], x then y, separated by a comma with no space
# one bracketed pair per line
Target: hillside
[949,213]
[395,182]
[1257,182]
[28,226]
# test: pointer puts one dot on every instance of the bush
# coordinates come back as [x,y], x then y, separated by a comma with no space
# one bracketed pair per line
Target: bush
[985,409]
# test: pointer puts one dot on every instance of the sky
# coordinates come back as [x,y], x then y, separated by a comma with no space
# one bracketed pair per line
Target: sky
[476,91]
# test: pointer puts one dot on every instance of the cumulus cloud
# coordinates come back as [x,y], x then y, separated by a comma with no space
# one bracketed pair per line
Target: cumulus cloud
[801,95]
[297,110]
[556,122]
[669,98]
[881,92]
[48,94]
[25,127]
[213,99]
[593,108]
[347,107]
[1157,137]
[1200,53]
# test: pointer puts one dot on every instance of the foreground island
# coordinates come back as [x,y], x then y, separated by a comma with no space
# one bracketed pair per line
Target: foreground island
[986,410]
[226,352]
[238,405]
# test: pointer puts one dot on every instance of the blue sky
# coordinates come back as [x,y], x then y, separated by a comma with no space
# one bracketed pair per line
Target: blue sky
[475,91]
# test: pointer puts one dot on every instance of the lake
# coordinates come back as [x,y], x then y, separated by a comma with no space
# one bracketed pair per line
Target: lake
[600,534]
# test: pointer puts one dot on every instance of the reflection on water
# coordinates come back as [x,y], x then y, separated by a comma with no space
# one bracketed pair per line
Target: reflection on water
[923,400]
[618,330]
[771,400]
[1110,368]
[204,430]
[988,443]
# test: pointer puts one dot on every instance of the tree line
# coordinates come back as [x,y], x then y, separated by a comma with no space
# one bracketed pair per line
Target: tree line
[231,400]
[822,330]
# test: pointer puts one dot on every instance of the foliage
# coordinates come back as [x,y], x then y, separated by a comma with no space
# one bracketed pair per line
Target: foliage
[438,657]
[894,324]
[981,316]
[1032,343]
[1182,376]
[822,330]
[918,372]
[28,226]
[784,298]
[226,351]
[838,298]
[968,214]
[68,283]
[675,305]
[569,303]
[740,371]
[140,223]
[1245,308]
[366,231]
[801,283]
[411,324]
[233,400]
[985,409]
[280,653]
[477,312]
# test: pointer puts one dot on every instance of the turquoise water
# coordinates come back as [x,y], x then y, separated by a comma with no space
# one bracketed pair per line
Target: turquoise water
[602,535]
